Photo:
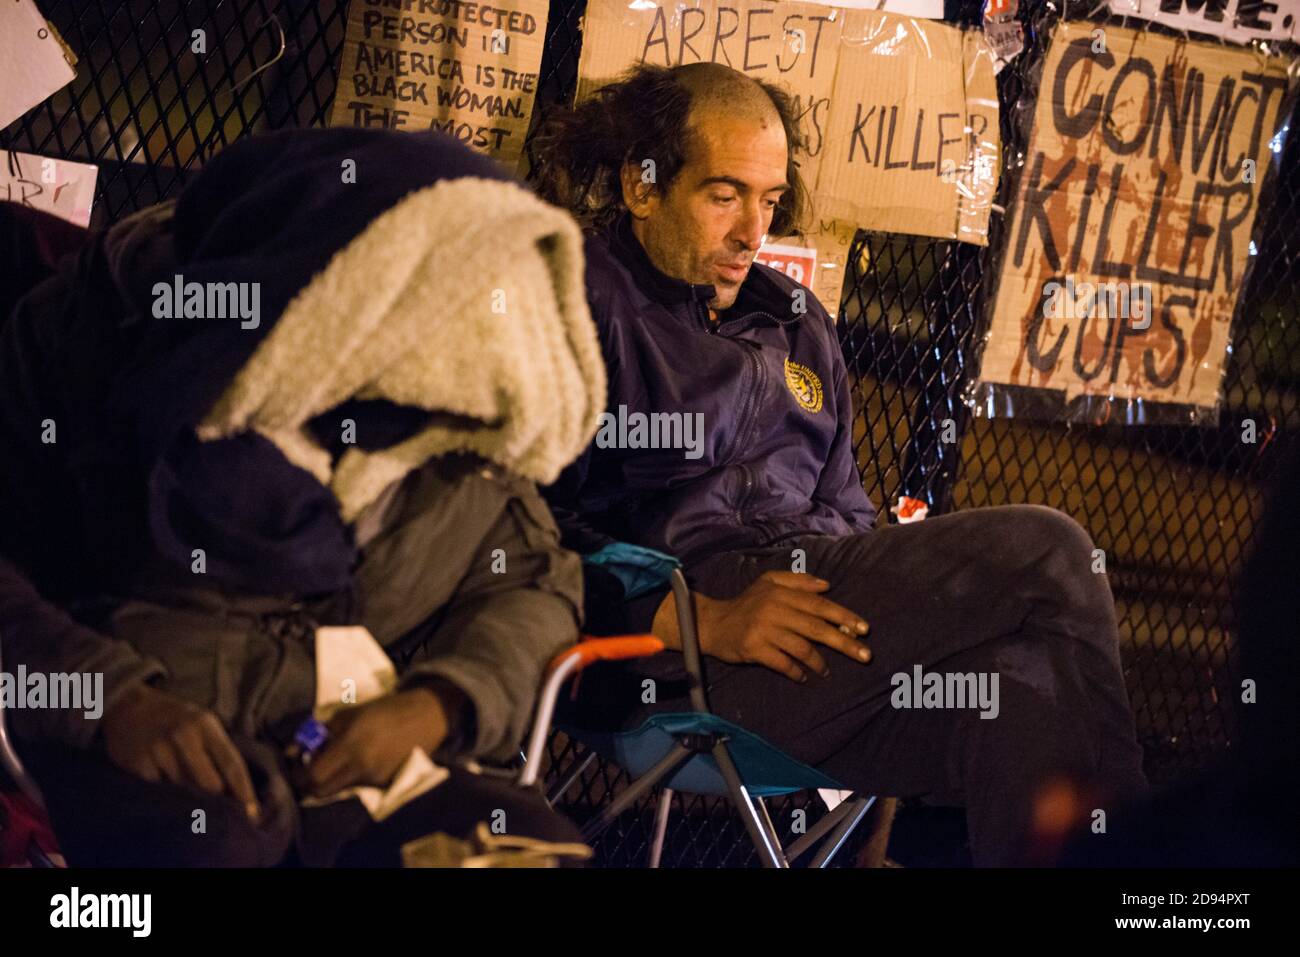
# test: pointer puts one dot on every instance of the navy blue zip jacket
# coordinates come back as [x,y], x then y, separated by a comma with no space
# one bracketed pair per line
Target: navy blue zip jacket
[775,457]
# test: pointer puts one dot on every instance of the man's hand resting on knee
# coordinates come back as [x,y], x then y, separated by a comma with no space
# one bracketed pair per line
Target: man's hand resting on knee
[160,737]
[776,622]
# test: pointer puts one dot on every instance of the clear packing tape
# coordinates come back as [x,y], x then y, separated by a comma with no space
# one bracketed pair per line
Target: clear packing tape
[1133,227]
[912,139]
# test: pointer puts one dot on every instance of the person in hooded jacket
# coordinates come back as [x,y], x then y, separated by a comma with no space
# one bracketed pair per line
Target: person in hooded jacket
[286,401]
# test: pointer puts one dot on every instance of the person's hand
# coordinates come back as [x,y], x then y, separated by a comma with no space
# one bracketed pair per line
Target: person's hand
[160,737]
[369,744]
[776,622]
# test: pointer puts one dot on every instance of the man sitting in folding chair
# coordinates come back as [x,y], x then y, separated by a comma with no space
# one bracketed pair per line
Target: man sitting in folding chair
[728,444]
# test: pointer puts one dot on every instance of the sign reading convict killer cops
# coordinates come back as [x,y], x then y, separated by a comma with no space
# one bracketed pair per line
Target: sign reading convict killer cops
[468,69]
[885,101]
[1131,225]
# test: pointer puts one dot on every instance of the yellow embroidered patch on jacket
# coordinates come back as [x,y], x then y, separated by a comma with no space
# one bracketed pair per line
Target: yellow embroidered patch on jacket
[804,386]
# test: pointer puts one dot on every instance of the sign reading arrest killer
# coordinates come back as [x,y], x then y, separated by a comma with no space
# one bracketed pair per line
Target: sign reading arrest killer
[467,69]
[1131,225]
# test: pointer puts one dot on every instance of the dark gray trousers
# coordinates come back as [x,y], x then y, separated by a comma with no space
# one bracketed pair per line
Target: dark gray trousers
[1008,590]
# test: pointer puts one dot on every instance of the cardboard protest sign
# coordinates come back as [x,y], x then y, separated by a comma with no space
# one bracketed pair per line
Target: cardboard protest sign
[816,257]
[912,143]
[792,44]
[34,63]
[467,69]
[56,186]
[1237,20]
[1131,225]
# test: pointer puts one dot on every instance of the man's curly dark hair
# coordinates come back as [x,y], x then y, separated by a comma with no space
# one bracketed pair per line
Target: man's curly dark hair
[577,153]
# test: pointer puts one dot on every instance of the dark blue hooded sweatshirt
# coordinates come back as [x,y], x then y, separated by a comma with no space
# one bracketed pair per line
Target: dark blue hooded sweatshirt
[777,458]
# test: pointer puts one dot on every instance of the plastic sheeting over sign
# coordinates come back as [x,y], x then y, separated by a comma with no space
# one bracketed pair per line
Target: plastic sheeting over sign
[926,9]
[912,142]
[1130,231]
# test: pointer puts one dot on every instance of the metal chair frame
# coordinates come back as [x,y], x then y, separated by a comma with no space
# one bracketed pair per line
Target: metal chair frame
[832,830]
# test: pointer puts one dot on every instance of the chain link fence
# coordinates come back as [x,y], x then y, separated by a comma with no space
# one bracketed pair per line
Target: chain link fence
[1172,507]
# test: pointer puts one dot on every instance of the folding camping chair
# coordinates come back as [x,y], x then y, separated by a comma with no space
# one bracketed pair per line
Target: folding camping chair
[694,752]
